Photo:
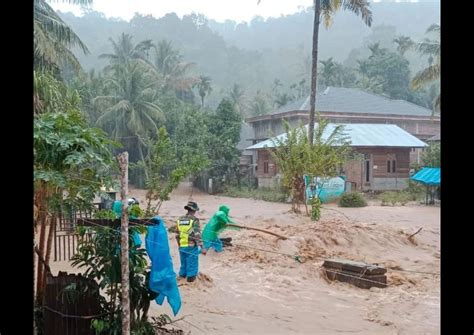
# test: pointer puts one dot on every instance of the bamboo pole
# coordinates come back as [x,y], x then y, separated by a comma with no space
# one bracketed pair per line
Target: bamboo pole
[257,229]
[123,162]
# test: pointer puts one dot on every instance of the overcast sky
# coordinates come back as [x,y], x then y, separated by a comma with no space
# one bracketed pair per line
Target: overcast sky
[219,10]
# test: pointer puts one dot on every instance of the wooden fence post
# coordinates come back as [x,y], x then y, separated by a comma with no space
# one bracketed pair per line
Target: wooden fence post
[123,162]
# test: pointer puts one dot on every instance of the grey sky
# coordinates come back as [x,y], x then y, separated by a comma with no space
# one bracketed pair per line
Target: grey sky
[219,10]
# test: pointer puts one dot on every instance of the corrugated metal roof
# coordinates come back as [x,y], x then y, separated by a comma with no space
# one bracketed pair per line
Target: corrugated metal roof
[428,176]
[364,135]
[353,100]
[437,137]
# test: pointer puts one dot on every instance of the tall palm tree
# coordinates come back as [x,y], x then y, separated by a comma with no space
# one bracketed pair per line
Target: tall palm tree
[204,87]
[166,57]
[404,43]
[326,9]
[131,109]
[53,38]
[237,96]
[124,51]
[169,63]
[431,48]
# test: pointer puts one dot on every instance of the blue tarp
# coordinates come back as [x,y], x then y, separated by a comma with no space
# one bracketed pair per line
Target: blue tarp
[428,176]
[162,276]
[327,189]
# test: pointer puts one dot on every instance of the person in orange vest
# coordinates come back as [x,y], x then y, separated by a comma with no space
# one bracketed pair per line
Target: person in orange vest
[189,240]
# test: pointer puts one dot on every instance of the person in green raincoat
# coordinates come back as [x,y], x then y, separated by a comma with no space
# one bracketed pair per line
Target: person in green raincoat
[214,227]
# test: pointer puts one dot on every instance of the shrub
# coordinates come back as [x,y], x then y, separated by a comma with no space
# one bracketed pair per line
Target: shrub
[393,197]
[263,193]
[352,199]
[415,191]
[315,209]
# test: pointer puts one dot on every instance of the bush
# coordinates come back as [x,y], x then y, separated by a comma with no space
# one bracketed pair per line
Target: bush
[394,197]
[315,209]
[263,193]
[415,191]
[352,199]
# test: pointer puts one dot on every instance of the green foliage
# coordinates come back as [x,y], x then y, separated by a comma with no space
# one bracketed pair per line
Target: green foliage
[352,199]
[261,193]
[315,209]
[259,105]
[390,69]
[432,48]
[163,170]
[394,197]
[51,95]
[415,191]
[191,139]
[224,130]
[204,87]
[135,210]
[53,39]
[295,157]
[415,166]
[71,157]
[332,73]
[100,257]
[432,156]
[105,214]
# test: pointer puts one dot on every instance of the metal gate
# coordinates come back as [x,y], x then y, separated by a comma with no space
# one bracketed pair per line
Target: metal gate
[66,238]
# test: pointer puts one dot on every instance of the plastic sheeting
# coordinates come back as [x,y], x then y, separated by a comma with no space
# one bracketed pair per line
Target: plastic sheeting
[162,276]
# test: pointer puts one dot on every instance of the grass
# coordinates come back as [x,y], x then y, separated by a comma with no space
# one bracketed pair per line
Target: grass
[263,193]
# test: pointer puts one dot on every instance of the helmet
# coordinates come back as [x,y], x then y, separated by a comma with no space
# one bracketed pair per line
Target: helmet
[192,206]
[133,201]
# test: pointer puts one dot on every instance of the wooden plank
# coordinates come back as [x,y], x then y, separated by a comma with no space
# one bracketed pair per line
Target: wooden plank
[354,267]
[365,281]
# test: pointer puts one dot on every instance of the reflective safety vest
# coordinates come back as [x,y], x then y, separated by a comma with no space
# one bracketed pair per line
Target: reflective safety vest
[185,228]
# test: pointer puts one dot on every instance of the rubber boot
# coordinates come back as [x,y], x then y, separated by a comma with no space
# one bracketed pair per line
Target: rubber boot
[191,279]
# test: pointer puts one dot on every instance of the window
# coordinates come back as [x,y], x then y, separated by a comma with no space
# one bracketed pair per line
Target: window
[394,166]
[389,167]
[367,171]
[265,167]
[413,149]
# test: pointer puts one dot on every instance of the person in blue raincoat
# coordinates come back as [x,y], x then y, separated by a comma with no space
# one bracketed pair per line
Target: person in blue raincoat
[188,236]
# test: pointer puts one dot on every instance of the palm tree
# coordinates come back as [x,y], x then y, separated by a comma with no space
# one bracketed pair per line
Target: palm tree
[131,109]
[124,51]
[166,57]
[327,8]
[431,48]
[204,87]
[259,105]
[53,38]
[331,73]
[168,62]
[404,43]
[237,96]
[283,99]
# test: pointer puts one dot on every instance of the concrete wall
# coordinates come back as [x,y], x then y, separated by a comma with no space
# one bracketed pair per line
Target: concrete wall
[389,184]
[268,182]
